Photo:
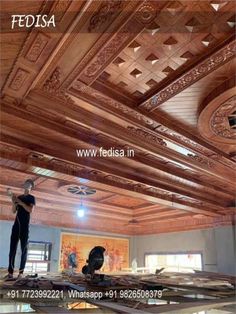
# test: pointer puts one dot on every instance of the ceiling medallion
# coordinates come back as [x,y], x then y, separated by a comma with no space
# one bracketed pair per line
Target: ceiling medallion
[146,14]
[217,120]
[76,190]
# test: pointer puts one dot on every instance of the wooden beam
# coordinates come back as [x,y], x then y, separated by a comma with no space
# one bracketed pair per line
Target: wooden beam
[179,204]
[161,183]
[115,131]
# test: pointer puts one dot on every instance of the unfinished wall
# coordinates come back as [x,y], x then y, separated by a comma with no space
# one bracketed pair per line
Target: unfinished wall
[217,246]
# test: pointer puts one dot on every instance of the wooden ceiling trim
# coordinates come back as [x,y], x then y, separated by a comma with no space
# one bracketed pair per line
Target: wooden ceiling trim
[41,218]
[165,192]
[51,125]
[164,195]
[104,88]
[168,213]
[149,220]
[159,182]
[107,128]
[106,198]
[162,127]
[149,208]
[50,196]
[68,202]
[71,169]
[128,188]
[60,210]
[176,225]
[204,67]
[183,186]
[214,154]
[188,224]
[202,181]
[66,205]
[61,168]
[156,211]
[57,217]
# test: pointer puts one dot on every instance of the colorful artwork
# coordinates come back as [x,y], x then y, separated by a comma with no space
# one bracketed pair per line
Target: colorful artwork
[75,249]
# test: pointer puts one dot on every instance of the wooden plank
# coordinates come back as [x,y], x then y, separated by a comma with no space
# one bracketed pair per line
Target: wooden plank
[60,310]
[116,307]
[50,309]
[192,307]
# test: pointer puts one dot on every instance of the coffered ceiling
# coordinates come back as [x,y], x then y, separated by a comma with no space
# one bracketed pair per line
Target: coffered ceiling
[153,76]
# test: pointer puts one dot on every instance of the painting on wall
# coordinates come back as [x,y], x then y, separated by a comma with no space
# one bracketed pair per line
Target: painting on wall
[75,249]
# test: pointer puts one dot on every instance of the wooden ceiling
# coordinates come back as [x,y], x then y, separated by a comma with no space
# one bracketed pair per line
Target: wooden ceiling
[153,76]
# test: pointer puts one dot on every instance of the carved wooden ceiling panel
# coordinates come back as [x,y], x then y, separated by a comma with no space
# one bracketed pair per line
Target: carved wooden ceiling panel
[11,42]
[127,75]
[182,32]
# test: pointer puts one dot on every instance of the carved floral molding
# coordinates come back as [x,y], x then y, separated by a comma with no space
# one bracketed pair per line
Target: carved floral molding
[219,121]
[52,86]
[147,136]
[192,76]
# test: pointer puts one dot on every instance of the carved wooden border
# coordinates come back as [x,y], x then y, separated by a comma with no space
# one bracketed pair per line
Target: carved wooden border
[210,64]
[81,90]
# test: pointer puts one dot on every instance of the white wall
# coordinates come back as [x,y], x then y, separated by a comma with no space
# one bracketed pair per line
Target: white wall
[226,249]
[217,246]
[37,233]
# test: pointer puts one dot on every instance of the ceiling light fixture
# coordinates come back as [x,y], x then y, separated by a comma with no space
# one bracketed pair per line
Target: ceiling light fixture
[80,213]
[81,209]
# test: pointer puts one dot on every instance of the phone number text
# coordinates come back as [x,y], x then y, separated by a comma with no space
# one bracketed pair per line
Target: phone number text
[35,294]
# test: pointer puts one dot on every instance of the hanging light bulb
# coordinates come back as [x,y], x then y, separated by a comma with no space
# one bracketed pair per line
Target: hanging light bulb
[81,210]
[80,213]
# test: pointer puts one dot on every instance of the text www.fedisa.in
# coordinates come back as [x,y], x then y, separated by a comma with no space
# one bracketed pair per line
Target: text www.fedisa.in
[101,152]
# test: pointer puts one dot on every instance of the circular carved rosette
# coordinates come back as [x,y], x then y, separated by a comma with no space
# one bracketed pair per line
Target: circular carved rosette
[146,14]
[76,191]
[217,120]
